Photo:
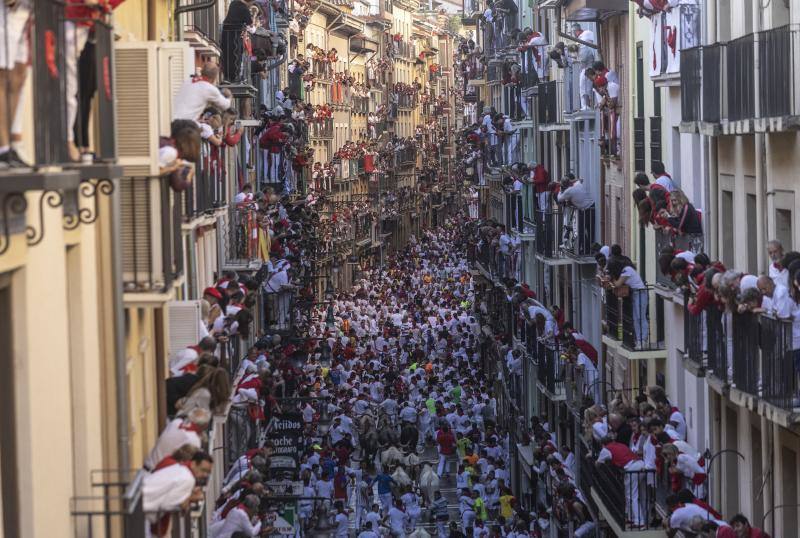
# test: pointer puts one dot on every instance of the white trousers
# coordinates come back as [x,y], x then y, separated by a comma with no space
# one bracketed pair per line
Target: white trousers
[75,38]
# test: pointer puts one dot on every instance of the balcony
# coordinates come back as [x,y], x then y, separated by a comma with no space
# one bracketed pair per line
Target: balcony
[207,192]
[574,101]
[201,27]
[406,156]
[406,101]
[550,370]
[624,498]
[565,231]
[321,128]
[694,343]
[723,94]
[500,41]
[629,322]
[323,72]
[751,354]
[667,241]
[152,247]
[360,105]
[739,78]
[279,311]
[471,13]
[549,105]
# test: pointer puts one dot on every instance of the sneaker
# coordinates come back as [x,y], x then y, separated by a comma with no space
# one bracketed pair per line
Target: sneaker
[11,159]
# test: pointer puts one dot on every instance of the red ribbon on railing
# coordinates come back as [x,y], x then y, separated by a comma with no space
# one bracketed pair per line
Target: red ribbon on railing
[50,53]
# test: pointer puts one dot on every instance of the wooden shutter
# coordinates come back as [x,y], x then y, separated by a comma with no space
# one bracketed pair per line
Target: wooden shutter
[184,325]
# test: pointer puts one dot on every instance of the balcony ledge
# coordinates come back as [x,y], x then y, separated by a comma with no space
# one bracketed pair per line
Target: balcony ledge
[778,415]
[583,114]
[562,260]
[667,80]
[739,127]
[618,531]
[96,170]
[668,294]
[559,396]
[28,179]
[691,366]
[619,349]
[552,127]
[777,124]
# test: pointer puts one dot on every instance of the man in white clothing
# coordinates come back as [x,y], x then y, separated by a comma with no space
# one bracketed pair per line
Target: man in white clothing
[239,520]
[195,95]
[179,432]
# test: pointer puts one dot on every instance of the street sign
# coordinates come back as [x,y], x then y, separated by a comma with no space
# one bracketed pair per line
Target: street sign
[284,438]
[285,487]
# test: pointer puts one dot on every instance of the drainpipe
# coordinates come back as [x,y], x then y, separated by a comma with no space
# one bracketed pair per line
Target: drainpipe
[120,366]
[712,180]
[188,9]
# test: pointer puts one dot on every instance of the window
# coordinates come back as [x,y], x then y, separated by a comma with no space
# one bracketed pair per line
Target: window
[655,139]
[752,243]
[726,213]
[638,145]
[783,228]
[639,81]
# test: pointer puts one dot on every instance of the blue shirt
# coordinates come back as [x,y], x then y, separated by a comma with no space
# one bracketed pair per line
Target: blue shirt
[384,483]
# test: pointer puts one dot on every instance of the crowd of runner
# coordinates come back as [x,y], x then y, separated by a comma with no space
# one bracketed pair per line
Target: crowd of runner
[401,434]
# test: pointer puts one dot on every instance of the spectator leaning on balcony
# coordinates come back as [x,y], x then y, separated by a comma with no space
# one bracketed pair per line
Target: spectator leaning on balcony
[173,485]
[178,432]
[237,22]
[198,93]
[626,281]
[14,57]
[177,153]
[621,457]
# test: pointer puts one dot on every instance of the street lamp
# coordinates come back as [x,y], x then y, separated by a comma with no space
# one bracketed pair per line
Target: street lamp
[330,322]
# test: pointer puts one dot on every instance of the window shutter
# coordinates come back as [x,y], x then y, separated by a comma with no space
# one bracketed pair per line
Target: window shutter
[184,325]
[137,115]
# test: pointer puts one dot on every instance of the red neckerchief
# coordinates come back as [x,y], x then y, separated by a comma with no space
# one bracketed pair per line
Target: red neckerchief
[191,428]
[200,79]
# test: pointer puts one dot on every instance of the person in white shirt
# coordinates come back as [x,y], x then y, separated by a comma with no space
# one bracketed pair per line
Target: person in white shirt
[177,433]
[624,274]
[776,299]
[245,195]
[511,139]
[662,178]
[777,272]
[239,520]
[195,95]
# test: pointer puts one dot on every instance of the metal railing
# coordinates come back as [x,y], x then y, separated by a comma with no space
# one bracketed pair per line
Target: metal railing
[745,333]
[578,230]
[779,366]
[716,342]
[235,60]
[637,333]
[626,495]
[550,368]
[549,225]
[405,156]
[152,246]
[777,50]
[48,40]
[740,79]
[714,101]
[321,128]
[693,334]
[666,240]
[203,20]
[207,191]
[279,310]
[691,84]
[322,70]
[549,107]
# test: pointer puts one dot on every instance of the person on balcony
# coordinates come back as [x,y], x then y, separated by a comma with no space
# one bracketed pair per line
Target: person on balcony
[14,57]
[197,94]
[574,196]
[775,298]
[622,275]
[238,20]
[178,432]
[623,458]
[242,520]
[661,178]
[173,485]
[777,272]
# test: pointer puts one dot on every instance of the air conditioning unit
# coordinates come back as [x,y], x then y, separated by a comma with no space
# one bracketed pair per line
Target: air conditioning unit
[148,75]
